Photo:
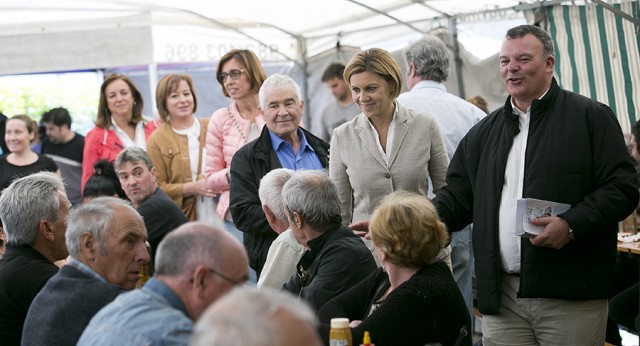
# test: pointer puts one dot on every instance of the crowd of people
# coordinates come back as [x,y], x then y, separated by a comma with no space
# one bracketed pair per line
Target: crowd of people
[384,226]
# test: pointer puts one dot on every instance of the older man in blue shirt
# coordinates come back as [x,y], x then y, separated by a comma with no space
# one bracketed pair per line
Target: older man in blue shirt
[282,144]
[195,265]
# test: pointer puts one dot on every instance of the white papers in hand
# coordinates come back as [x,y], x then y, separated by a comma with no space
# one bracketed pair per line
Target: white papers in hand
[529,209]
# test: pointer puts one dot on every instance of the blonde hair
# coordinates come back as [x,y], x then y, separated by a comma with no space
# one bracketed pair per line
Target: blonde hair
[32,125]
[380,62]
[407,229]
[479,102]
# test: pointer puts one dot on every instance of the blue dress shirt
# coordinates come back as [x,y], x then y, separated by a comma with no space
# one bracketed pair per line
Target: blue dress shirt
[153,315]
[305,158]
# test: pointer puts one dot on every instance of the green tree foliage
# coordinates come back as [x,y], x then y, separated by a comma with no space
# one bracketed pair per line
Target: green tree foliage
[35,94]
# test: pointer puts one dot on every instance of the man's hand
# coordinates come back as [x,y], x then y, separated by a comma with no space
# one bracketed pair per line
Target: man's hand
[354,323]
[361,229]
[555,234]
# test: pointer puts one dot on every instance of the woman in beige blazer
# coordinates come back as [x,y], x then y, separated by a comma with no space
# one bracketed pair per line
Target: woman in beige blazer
[177,149]
[385,148]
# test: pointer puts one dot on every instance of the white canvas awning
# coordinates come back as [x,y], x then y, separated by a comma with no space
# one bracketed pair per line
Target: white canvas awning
[597,50]
[39,36]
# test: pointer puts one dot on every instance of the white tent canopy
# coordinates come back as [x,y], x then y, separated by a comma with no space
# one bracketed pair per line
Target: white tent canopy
[90,34]
[300,37]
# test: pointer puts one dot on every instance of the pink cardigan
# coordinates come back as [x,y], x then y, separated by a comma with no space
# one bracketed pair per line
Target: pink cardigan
[223,140]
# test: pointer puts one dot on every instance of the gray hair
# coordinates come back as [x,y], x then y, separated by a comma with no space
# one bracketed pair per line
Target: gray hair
[277,81]
[189,245]
[248,317]
[522,30]
[313,196]
[95,217]
[28,201]
[133,155]
[431,58]
[270,191]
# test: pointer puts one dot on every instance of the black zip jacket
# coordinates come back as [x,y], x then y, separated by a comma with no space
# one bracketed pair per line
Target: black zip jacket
[576,155]
[248,166]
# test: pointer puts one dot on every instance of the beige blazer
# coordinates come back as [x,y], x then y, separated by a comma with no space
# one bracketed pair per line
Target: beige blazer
[359,170]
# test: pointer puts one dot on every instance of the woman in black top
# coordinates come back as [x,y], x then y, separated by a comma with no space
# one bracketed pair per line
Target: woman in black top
[20,132]
[412,299]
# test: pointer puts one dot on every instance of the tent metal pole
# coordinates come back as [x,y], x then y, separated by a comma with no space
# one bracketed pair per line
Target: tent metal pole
[302,48]
[386,15]
[617,12]
[153,81]
[453,36]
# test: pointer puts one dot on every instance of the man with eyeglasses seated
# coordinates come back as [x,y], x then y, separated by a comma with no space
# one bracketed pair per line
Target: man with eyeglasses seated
[195,265]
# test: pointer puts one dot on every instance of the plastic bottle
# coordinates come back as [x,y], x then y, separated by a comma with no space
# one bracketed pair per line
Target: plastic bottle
[144,275]
[366,340]
[146,270]
[340,334]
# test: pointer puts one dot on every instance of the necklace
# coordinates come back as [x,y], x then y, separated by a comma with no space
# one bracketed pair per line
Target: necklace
[235,122]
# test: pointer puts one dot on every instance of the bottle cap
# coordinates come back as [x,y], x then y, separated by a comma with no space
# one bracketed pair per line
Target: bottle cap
[367,338]
[339,323]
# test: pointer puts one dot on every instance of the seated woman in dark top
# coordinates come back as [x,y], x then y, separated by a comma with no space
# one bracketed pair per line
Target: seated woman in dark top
[20,132]
[412,299]
[103,182]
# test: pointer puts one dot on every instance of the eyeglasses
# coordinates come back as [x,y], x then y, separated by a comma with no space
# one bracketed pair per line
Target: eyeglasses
[232,282]
[234,74]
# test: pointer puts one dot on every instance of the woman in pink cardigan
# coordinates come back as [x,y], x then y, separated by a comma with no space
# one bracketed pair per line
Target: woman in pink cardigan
[240,75]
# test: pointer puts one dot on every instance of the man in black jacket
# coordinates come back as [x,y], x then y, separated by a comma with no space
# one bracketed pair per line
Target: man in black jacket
[550,144]
[282,144]
[336,259]
[34,212]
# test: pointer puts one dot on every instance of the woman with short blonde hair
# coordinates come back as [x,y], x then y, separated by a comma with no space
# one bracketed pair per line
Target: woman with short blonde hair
[407,228]
[413,299]
[387,147]
[20,133]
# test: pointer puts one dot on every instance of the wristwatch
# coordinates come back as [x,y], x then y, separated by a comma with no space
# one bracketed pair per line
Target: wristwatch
[572,235]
